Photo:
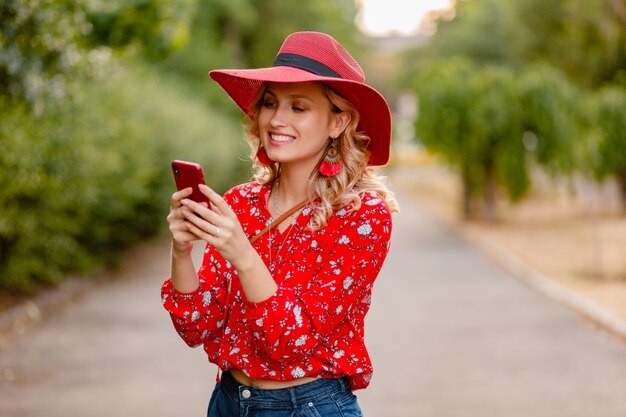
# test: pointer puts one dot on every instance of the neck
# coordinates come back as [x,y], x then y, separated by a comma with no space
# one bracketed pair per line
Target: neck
[293,186]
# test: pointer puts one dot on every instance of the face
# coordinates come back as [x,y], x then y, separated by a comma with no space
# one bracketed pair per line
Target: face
[295,122]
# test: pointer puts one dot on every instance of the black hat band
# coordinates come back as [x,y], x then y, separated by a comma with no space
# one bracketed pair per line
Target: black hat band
[305,63]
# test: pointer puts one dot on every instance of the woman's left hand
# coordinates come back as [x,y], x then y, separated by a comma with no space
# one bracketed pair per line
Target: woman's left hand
[218,225]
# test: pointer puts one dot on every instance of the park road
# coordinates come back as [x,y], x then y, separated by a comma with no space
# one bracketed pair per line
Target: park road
[450,335]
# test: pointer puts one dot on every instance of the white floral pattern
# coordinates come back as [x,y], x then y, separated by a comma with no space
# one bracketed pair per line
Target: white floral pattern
[314,324]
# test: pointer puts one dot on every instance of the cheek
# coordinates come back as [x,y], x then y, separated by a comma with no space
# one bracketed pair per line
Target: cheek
[262,118]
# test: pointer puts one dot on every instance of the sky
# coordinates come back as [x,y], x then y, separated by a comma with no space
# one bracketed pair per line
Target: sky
[403,17]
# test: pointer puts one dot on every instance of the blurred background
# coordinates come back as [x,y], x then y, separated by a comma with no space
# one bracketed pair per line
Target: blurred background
[509,116]
[509,127]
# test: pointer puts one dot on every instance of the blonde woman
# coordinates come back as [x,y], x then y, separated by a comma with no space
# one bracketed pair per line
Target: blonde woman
[291,257]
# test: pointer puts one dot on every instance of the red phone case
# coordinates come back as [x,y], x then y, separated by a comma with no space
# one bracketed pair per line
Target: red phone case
[189,174]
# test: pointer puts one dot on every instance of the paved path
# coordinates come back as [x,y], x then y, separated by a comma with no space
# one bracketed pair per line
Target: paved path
[450,335]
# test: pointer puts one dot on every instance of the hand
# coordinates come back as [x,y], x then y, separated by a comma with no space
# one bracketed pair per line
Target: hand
[182,238]
[217,225]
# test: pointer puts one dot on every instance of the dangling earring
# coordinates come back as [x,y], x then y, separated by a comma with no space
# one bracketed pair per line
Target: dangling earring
[263,157]
[332,162]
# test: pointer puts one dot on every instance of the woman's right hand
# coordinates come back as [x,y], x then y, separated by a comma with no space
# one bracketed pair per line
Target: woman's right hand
[183,273]
[182,239]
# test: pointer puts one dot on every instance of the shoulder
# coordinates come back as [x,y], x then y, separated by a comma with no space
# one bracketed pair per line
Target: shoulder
[371,201]
[371,219]
[371,205]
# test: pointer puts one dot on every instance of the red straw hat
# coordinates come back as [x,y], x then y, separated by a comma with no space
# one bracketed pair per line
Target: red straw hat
[314,56]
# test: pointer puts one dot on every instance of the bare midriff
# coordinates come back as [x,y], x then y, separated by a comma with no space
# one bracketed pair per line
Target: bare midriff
[268,383]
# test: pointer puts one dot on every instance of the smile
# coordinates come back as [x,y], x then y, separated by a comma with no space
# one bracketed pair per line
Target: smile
[277,138]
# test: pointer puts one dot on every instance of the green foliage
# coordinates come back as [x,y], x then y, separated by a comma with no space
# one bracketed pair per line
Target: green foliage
[587,40]
[560,53]
[277,18]
[553,114]
[247,33]
[478,117]
[79,184]
[609,120]
[88,130]
[158,27]
[472,118]
[39,49]
[47,46]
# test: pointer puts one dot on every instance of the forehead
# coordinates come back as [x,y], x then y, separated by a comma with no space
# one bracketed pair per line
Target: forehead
[312,90]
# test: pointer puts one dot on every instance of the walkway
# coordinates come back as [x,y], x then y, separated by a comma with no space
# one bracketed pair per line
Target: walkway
[451,335]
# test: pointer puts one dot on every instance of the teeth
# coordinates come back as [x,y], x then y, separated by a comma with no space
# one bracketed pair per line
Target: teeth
[281,138]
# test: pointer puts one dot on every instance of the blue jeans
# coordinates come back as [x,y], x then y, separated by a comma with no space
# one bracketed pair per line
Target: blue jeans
[320,398]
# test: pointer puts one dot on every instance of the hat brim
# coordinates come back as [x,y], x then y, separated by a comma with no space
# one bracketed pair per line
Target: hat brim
[243,85]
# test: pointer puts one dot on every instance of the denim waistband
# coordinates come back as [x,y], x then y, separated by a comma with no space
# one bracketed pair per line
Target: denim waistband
[298,394]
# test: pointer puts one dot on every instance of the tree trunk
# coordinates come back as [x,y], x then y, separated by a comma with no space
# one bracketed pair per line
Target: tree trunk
[621,178]
[620,9]
[490,193]
[467,194]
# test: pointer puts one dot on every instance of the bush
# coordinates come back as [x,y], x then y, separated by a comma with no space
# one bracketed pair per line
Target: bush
[79,184]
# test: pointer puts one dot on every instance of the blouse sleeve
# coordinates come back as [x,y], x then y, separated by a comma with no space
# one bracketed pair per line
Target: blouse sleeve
[287,325]
[199,316]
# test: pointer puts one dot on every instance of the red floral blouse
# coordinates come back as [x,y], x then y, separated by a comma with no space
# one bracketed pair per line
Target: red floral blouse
[314,324]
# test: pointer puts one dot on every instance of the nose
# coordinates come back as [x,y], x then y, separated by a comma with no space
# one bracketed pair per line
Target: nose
[278,118]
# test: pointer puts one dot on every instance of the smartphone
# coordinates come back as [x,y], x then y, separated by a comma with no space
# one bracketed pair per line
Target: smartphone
[189,174]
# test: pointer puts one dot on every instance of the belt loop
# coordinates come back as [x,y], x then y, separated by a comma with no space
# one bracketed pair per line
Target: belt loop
[343,383]
[294,400]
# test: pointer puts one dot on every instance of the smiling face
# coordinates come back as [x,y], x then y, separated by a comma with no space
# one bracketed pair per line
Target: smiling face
[295,121]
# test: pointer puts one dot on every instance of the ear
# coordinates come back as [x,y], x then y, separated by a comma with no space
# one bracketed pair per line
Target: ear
[339,124]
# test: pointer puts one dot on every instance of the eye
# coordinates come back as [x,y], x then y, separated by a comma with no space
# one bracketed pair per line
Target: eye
[297,109]
[269,102]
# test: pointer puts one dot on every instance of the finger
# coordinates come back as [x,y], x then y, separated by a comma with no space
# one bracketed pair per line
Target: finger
[180,232]
[216,200]
[179,195]
[200,233]
[206,226]
[176,215]
[203,211]
[215,209]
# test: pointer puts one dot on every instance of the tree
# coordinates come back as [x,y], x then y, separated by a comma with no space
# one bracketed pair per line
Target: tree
[484,31]
[470,118]
[157,27]
[552,118]
[587,40]
[609,155]
[248,33]
[48,45]
[477,119]
[40,50]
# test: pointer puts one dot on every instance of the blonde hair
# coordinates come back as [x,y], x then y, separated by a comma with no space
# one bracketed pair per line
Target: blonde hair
[341,190]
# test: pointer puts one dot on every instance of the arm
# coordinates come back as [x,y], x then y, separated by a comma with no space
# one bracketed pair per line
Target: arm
[231,242]
[199,316]
[194,301]
[183,271]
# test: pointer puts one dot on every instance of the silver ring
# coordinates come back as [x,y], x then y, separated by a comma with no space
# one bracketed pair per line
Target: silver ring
[217,231]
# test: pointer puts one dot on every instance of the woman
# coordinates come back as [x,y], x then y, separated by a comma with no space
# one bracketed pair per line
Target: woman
[280,309]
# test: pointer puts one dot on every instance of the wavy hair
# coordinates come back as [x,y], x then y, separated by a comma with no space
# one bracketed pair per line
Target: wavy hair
[345,188]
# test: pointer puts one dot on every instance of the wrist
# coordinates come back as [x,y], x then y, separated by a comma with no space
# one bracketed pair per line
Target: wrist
[181,250]
[247,261]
